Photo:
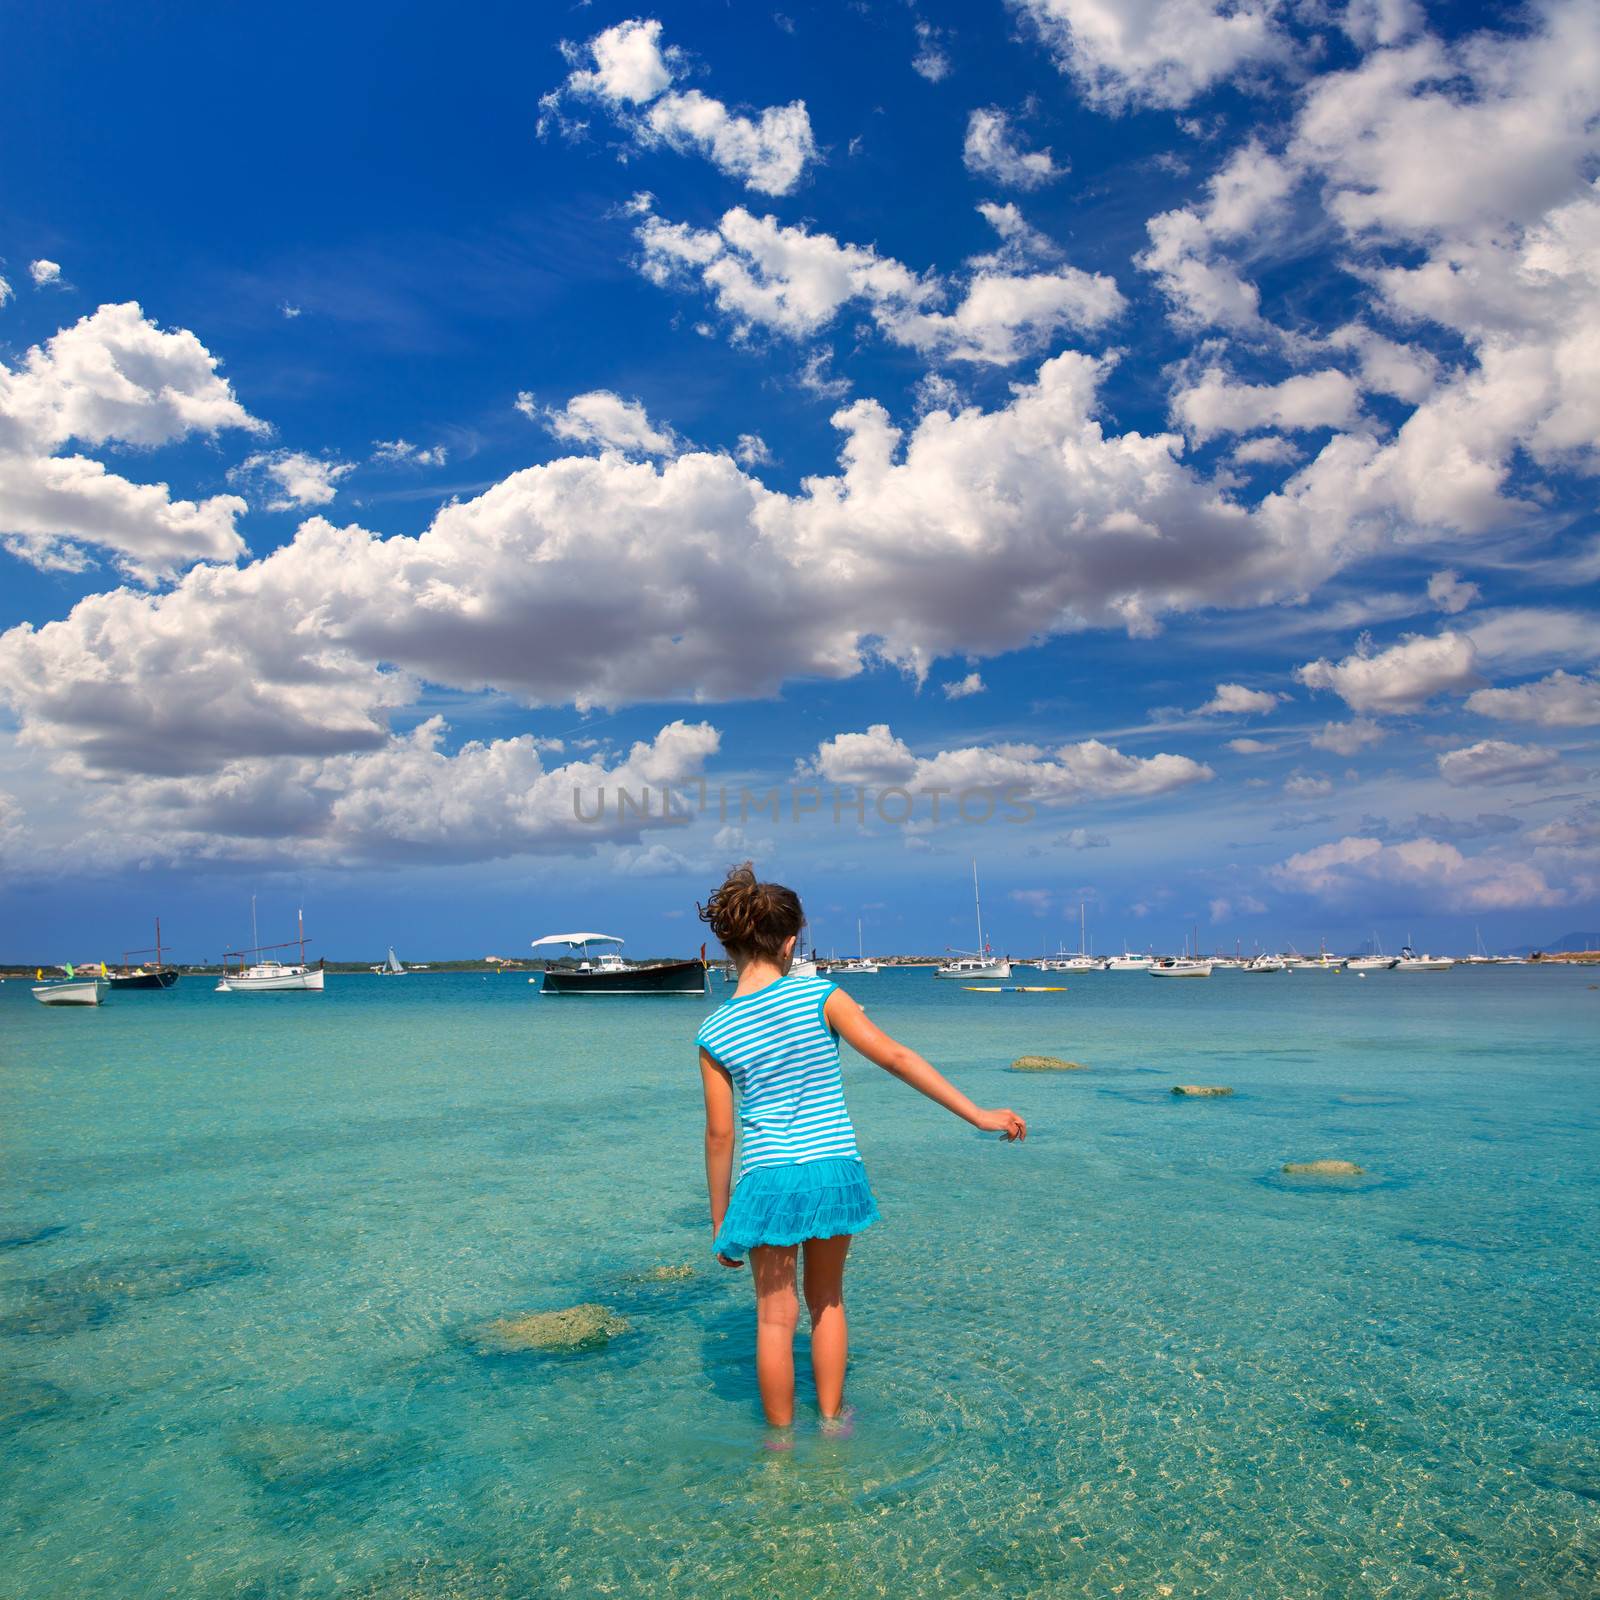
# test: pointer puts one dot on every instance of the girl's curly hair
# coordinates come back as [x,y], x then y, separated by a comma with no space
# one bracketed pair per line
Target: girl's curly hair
[751,918]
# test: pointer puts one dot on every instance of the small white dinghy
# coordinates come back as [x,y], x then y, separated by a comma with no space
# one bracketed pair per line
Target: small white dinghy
[71,992]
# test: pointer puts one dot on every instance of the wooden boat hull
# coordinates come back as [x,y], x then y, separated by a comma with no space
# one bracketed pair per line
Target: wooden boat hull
[663,977]
[164,978]
[74,992]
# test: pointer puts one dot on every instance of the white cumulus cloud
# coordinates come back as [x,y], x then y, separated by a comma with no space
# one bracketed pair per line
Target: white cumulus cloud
[1125,53]
[1235,700]
[296,478]
[631,74]
[1496,761]
[44,273]
[991,150]
[1562,700]
[791,281]
[112,377]
[1402,678]
[605,419]
[1427,872]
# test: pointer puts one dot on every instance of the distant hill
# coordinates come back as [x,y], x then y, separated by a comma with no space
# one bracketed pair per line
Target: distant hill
[1567,942]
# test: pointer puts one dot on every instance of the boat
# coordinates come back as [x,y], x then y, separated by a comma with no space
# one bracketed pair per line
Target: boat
[1321,962]
[1410,961]
[146,974]
[1376,962]
[804,966]
[1129,962]
[1264,963]
[391,968]
[860,967]
[260,972]
[979,963]
[608,973]
[1077,961]
[1180,967]
[71,991]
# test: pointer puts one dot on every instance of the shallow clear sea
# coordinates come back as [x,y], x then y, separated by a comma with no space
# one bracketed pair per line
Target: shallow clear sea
[246,1244]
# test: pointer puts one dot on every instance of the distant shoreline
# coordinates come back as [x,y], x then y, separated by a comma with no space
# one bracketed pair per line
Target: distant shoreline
[357,968]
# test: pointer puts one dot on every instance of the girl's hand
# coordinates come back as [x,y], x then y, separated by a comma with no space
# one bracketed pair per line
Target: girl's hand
[1007,1123]
[726,1262]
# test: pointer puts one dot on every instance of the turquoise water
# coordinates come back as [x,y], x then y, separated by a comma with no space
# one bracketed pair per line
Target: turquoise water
[246,1242]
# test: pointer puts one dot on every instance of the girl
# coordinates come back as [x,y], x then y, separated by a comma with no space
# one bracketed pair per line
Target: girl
[801,1182]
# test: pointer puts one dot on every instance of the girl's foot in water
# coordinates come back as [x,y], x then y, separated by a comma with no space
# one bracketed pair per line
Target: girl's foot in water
[779,1439]
[841,1426]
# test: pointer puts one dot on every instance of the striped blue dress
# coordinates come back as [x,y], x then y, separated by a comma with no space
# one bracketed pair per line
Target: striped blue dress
[800,1174]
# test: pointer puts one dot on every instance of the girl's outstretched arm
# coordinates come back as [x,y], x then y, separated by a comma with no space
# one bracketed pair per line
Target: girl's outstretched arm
[852,1024]
[718,1087]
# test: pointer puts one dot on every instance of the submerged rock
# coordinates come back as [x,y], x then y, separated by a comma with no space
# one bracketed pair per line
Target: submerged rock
[1046,1064]
[1323,1169]
[1201,1091]
[666,1274]
[584,1327]
[308,1458]
[78,1298]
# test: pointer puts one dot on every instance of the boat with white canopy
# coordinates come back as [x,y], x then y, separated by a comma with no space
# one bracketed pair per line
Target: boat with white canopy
[608,973]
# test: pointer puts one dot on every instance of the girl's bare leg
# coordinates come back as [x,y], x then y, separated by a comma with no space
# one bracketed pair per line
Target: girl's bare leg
[830,1336]
[777,1312]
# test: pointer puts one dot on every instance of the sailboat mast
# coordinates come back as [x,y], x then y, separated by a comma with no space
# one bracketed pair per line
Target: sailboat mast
[158,944]
[300,924]
[255,938]
[978,906]
[1083,942]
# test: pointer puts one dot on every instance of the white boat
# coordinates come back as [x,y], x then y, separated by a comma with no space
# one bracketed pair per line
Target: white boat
[1321,962]
[391,968]
[803,966]
[860,967]
[271,976]
[71,992]
[1410,961]
[1265,964]
[979,963]
[1078,961]
[1129,962]
[1180,967]
[1376,962]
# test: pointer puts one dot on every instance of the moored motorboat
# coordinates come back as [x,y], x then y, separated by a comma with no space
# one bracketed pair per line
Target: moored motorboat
[1180,967]
[1410,961]
[1265,963]
[1129,962]
[609,974]
[1372,963]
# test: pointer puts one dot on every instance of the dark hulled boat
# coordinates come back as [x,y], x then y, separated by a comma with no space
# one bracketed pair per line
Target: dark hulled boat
[146,974]
[610,974]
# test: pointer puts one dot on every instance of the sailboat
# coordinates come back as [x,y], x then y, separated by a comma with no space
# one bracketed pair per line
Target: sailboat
[982,962]
[1376,962]
[1061,961]
[860,967]
[266,974]
[391,968]
[147,974]
[1184,966]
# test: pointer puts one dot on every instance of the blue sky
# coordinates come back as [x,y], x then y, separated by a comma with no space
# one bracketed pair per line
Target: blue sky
[1180,418]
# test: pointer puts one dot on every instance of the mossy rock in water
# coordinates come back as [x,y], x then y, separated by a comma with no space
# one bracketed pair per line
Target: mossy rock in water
[584,1327]
[1323,1169]
[1046,1064]
[666,1274]
[1201,1091]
